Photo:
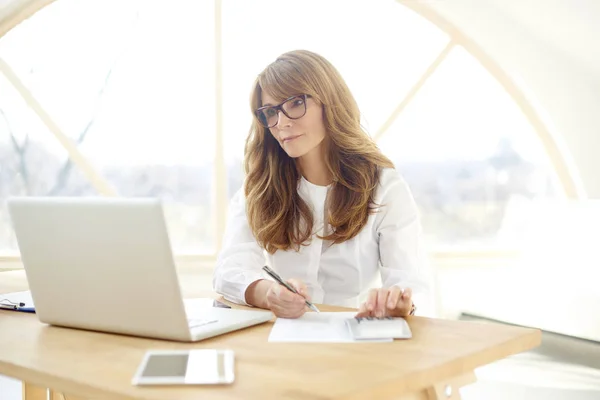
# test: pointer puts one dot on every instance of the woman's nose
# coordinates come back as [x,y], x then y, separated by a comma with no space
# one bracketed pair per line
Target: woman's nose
[282,119]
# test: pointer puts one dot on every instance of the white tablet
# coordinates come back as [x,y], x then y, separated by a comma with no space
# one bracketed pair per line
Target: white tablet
[185,367]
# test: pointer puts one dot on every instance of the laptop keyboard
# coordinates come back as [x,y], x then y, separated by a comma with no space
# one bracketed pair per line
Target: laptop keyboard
[197,322]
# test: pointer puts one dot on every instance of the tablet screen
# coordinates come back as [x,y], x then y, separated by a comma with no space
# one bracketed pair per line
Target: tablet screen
[202,366]
[166,365]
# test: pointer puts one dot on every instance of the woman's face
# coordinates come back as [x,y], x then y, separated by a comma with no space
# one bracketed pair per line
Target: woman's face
[299,136]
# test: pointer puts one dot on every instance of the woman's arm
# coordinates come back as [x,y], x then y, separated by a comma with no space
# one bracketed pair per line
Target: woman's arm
[238,271]
[401,249]
[256,294]
[238,274]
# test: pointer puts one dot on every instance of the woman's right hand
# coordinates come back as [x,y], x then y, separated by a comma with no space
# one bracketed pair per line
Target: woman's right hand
[286,304]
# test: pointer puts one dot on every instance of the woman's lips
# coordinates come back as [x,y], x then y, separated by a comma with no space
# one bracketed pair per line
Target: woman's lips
[290,138]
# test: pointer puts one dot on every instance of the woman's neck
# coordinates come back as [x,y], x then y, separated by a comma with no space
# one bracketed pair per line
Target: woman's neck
[313,167]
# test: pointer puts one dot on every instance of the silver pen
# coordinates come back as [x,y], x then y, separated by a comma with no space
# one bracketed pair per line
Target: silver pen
[275,276]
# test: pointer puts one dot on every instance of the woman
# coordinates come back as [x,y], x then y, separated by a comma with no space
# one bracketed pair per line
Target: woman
[321,205]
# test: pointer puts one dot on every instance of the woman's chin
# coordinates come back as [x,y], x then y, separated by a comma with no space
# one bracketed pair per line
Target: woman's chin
[293,153]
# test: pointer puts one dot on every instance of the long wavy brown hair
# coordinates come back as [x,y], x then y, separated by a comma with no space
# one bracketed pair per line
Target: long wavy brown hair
[277,215]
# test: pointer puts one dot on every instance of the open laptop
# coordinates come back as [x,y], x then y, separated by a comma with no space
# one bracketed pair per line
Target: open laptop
[106,264]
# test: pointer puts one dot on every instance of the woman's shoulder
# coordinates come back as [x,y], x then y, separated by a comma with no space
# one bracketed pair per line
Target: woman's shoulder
[395,198]
[237,202]
[390,177]
[392,187]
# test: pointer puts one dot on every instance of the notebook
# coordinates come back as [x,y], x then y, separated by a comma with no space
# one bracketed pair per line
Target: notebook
[371,328]
[17,301]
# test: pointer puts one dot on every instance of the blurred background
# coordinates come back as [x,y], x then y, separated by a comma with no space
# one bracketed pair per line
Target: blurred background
[489,108]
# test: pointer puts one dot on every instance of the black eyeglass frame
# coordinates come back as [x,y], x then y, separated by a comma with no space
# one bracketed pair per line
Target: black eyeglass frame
[279,107]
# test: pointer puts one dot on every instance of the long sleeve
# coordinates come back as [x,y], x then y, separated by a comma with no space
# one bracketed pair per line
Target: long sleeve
[401,249]
[241,259]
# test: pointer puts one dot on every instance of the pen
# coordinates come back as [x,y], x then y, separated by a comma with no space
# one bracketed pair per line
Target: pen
[16,308]
[275,276]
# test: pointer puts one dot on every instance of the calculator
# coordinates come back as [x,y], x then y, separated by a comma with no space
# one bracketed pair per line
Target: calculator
[365,328]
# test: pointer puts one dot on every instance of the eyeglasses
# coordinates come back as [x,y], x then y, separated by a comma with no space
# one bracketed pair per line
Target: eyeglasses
[293,107]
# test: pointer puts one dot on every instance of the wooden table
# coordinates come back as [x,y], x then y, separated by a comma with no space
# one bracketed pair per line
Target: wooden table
[439,359]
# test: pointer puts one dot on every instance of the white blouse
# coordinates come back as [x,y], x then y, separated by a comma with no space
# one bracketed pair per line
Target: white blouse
[387,251]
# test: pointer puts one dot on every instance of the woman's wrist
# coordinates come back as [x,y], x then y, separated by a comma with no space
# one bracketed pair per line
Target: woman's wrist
[256,293]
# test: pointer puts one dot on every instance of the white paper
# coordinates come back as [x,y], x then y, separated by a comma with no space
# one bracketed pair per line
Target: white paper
[17,297]
[324,327]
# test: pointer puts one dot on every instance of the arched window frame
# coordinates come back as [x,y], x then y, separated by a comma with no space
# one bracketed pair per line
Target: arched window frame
[17,11]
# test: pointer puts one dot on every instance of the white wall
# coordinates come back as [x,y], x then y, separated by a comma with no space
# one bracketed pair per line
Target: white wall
[550,47]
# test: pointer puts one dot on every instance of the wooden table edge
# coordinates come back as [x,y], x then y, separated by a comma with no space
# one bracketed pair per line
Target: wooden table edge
[390,389]
[35,382]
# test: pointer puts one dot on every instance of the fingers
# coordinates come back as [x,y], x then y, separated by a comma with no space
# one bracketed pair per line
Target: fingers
[286,312]
[372,300]
[300,287]
[285,296]
[362,311]
[393,298]
[393,302]
[375,305]
[406,301]
[404,304]
[280,295]
[382,297]
[286,304]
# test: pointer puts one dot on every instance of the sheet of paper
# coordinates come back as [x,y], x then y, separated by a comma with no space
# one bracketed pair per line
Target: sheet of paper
[17,297]
[324,327]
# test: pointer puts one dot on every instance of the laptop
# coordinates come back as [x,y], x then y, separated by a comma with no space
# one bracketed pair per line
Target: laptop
[105,264]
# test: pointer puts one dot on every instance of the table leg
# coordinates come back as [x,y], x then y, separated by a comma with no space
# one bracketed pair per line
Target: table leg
[446,390]
[33,392]
[449,390]
[54,395]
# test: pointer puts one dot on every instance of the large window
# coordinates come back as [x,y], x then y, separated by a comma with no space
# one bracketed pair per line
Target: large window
[468,153]
[133,85]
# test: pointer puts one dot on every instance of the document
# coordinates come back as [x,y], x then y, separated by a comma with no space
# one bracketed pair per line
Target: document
[17,297]
[13,301]
[324,327]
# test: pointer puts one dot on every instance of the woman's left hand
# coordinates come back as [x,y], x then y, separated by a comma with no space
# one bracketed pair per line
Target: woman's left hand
[387,302]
